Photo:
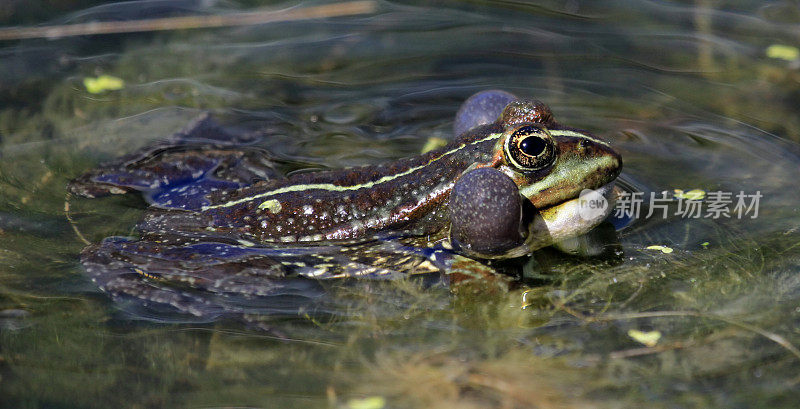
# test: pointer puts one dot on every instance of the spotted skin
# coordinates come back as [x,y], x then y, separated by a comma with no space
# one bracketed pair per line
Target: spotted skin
[363,202]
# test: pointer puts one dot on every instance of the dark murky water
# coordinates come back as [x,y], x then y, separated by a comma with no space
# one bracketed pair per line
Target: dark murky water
[688,93]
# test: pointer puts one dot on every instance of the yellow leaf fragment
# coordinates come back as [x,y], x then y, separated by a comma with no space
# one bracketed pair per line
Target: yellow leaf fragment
[433,143]
[694,194]
[649,338]
[103,83]
[272,205]
[371,402]
[783,52]
[663,249]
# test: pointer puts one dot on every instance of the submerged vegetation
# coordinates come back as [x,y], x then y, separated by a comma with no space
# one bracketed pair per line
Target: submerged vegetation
[687,92]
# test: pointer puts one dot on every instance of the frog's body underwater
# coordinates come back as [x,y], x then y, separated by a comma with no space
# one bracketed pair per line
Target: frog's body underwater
[223,225]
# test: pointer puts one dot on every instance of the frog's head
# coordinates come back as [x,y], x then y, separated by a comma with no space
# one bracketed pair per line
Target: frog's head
[550,166]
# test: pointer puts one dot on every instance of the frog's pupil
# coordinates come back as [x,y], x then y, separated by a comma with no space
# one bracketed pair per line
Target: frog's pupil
[532,146]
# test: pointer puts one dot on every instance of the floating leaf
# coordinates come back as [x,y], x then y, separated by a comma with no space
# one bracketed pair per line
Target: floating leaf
[663,249]
[103,83]
[649,338]
[371,402]
[783,52]
[433,143]
[694,194]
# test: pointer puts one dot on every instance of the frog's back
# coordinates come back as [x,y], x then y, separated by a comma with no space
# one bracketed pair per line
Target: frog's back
[406,195]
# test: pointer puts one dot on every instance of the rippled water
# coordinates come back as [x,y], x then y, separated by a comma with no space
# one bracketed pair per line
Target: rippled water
[685,91]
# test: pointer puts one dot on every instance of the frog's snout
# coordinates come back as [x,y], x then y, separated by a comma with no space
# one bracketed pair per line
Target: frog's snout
[591,149]
[593,162]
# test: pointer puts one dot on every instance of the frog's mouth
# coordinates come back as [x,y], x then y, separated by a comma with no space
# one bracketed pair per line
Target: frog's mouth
[578,215]
[567,219]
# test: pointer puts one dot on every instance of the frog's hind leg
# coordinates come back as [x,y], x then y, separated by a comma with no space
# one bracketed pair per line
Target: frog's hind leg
[195,282]
[139,289]
[182,171]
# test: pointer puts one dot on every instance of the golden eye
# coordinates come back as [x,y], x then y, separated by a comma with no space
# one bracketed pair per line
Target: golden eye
[530,148]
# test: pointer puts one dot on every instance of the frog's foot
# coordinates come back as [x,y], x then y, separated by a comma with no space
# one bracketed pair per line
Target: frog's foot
[480,109]
[182,171]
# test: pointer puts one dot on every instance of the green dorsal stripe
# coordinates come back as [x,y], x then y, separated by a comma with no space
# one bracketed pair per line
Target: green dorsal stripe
[335,188]
[564,132]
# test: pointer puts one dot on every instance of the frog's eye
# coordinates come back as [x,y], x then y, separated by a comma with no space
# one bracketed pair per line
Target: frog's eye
[530,148]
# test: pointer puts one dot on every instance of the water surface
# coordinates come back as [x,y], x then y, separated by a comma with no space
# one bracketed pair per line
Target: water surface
[687,92]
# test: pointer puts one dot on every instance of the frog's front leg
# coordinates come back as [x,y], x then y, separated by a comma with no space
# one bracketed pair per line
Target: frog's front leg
[466,274]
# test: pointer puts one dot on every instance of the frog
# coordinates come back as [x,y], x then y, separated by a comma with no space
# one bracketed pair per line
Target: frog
[222,223]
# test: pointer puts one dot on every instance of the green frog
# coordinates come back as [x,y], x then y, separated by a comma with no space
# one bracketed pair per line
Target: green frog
[222,222]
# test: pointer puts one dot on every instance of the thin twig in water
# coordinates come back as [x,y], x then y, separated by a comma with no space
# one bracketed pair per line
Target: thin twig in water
[189,22]
[72,222]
